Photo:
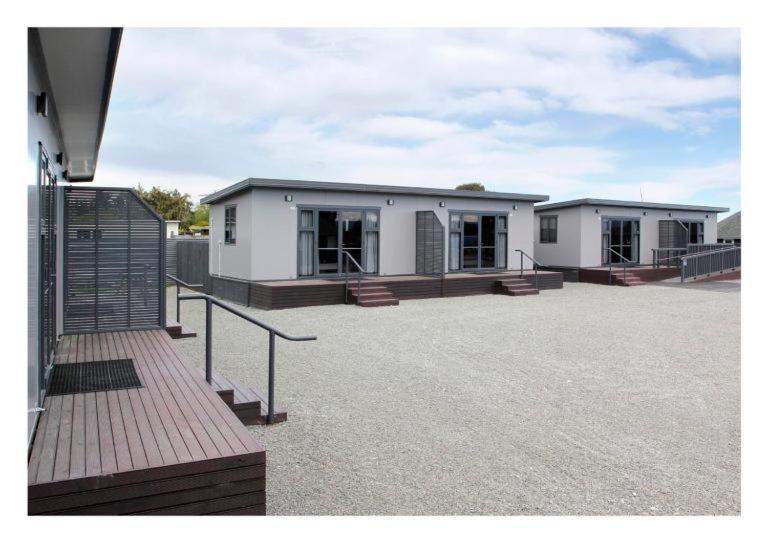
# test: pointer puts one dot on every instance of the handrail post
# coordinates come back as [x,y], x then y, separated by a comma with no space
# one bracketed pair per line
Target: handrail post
[521,264]
[178,302]
[208,342]
[346,279]
[271,397]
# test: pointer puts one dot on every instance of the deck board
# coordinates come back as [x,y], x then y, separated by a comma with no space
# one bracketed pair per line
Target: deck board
[170,445]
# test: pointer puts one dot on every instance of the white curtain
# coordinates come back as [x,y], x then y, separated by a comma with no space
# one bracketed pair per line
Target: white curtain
[455,240]
[501,250]
[371,252]
[306,253]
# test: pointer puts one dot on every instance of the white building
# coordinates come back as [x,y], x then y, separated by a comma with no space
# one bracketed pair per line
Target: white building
[593,232]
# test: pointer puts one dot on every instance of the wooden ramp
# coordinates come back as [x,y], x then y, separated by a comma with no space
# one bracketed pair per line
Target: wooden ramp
[171,446]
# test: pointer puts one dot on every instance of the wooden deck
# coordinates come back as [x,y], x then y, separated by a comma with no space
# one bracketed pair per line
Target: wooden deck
[170,447]
[638,274]
[306,292]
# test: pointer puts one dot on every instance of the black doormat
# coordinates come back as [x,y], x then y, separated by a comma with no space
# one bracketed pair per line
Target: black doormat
[93,377]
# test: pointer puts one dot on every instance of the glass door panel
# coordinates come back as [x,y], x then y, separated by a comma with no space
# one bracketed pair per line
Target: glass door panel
[327,242]
[471,241]
[352,237]
[488,241]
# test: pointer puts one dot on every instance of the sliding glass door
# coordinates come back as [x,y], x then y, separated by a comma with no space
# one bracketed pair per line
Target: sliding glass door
[477,241]
[621,241]
[326,235]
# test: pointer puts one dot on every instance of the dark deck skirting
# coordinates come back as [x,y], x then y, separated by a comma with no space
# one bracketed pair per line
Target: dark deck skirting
[600,276]
[170,447]
[308,292]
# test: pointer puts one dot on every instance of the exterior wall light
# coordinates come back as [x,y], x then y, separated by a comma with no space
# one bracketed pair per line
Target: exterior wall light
[706,216]
[669,214]
[597,211]
[442,204]
[42,104]
[390,202]
[289,198]
[59,158]
[514,207]
[645,213]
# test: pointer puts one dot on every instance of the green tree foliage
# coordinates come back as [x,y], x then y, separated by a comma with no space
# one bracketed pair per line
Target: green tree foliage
[199,215]
[169,204]
[471,186]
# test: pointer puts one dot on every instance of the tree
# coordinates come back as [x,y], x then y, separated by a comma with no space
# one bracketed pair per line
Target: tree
[199,215]
[171,205]
[471,186]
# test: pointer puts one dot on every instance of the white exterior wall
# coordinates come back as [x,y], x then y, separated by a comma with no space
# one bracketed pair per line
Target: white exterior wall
[567,250]
[273,236]
[40,129]
[231,260]
[585,251]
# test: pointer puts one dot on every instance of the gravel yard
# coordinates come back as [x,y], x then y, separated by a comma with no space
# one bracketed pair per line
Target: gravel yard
[585,400]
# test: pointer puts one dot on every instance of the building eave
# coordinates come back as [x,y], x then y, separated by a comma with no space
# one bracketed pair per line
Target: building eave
[326,186]
[627,203]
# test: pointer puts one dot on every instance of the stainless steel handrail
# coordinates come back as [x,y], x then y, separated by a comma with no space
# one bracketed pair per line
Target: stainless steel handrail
[610,268]
[179,283]
[210,301]
[536,266]
[346,276]
[656,259]
[686,260]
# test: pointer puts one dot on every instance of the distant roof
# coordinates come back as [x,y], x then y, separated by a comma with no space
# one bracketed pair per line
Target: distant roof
[730,227]
[623,203]
[360,187]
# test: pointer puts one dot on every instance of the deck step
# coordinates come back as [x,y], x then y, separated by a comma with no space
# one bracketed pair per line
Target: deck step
[177,331]
[516,287]
[249,404]
[522,291]
[372,296]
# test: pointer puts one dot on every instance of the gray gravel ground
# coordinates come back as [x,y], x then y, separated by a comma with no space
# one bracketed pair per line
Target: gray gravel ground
[586,400]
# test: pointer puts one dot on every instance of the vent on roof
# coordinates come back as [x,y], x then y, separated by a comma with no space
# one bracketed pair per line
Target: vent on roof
[93,377]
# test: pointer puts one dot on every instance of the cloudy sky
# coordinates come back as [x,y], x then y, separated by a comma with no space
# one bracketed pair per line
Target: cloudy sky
[569,113]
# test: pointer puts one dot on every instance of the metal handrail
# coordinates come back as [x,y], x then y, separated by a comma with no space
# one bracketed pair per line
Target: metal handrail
[210,301]
[657,259]
[536,266]
[610,268]
[346,276]
[179,283]
[685,261]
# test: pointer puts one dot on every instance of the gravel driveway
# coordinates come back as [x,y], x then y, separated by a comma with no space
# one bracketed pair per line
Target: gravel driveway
[585,400]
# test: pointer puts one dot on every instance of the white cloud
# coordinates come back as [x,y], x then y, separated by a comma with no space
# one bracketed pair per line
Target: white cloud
[682,184]
[707,43]
[236,76]
[202,109]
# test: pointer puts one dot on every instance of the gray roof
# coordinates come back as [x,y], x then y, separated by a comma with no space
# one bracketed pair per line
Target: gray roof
[624,203]
[361,187]
[730,227]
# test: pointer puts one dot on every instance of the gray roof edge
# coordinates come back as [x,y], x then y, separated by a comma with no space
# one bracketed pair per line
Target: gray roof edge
[362,187]
[628,203]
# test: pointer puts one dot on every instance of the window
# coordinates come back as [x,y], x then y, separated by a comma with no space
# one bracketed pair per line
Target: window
[230,224]
[477,240]
[328,237]
[548,229]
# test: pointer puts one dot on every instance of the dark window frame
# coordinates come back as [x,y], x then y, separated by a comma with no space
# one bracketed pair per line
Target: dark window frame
[458,229]
[548,234]
[316,209]
[230,225]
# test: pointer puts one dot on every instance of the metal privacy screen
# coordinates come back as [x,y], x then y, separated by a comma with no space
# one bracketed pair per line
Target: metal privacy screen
[114,264]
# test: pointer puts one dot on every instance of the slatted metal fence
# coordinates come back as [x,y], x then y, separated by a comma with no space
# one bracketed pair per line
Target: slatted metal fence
[114,261]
